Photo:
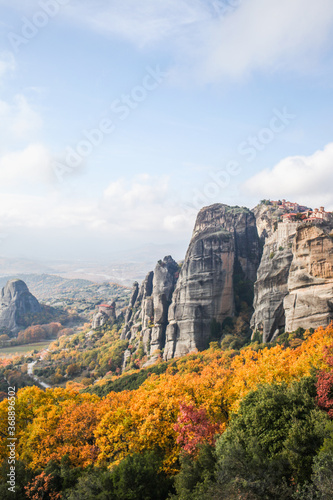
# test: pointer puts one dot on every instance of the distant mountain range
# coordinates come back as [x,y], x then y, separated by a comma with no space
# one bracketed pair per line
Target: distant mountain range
[123,268]
[46,286]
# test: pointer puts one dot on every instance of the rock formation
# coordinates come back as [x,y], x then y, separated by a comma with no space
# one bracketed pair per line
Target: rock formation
[165,277]
[271,286]
[146,316]
[105,313]
[309,302]
[224,237]
[267,218]
[288,264]
[16,303]
[294,284]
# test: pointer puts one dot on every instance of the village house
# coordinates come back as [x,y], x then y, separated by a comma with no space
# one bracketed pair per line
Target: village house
[317,214]
[289,217]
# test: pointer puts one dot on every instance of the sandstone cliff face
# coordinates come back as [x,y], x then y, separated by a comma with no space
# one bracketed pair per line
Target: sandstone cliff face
[15,303]
[223,237]
[309,302]
[294,286]
[147,314]
[271,286]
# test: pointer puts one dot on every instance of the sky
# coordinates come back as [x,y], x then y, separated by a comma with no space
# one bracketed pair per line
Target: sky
[121,119]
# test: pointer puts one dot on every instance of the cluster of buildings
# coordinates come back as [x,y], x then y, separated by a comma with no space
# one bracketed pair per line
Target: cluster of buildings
[288,205]
[318,214]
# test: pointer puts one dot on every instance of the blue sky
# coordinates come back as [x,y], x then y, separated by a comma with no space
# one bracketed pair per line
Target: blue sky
[221,101]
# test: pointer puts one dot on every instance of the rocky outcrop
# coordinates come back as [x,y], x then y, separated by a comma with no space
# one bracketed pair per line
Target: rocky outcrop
[267,218]
[309,302]
[147,314]
[106,313]
[140,309]
[294,286]
[223,238]
[269,214]
[165,277]
[16,304]
[288,264]
[271,286]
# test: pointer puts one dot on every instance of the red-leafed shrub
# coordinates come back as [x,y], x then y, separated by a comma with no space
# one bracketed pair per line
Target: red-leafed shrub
[194,427]
[41,488]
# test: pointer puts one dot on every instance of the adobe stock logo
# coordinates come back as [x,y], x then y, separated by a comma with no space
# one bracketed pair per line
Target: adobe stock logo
[31,27]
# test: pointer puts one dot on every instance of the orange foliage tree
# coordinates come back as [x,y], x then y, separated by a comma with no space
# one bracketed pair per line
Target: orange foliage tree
[50,424]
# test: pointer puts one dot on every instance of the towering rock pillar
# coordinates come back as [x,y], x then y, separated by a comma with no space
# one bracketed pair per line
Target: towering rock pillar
[224,239]
[147,313]
[165,277]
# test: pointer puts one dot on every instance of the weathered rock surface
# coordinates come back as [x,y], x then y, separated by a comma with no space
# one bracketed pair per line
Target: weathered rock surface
[104,315]
[146,317]
[165,277]
[223,236]
[267,217]
[290,266]
[139,311]
[16,302]
[271,286]
[294,281]
[309,302]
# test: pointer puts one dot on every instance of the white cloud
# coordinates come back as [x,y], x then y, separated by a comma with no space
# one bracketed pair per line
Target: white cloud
[19,117]
[261,35]
[139,207]
[49,211]
[255,35]
[145,204]
[25,119]
[142,188]
[140,21]
[210,40]
[29,166]
[18,121]
[306,179]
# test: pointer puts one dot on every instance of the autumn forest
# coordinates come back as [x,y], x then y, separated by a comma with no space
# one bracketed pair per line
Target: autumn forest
[254,423]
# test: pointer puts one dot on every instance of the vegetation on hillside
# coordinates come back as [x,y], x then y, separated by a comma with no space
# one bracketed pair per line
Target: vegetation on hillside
[254,423]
